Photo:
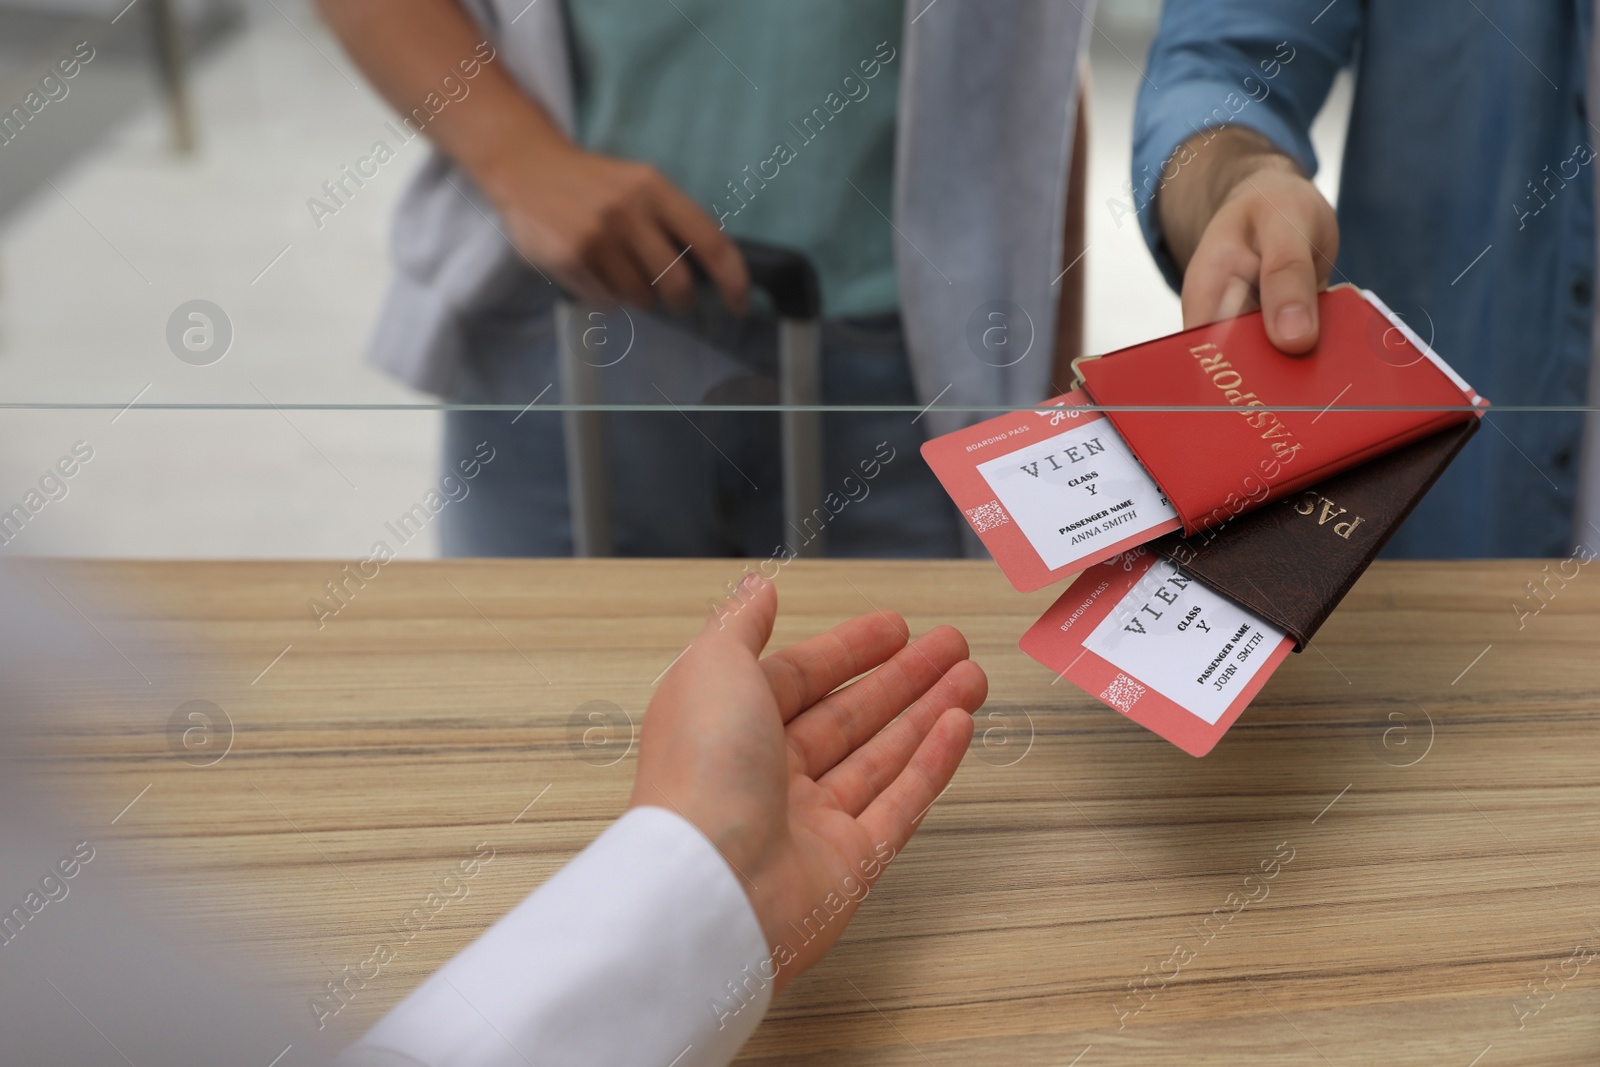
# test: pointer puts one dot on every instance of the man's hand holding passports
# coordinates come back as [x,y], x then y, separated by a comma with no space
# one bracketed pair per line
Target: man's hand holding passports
[1284,474]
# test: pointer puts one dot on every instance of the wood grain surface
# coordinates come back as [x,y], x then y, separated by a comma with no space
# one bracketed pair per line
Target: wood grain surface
[1423,784]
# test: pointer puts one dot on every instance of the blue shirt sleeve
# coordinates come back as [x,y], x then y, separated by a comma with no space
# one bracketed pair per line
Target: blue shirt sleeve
[1263,64]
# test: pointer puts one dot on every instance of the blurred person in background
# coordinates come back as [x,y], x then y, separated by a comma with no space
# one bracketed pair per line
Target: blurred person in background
[1466,201]
[917,154]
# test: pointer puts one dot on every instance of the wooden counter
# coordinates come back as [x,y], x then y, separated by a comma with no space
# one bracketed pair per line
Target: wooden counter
[1431,769]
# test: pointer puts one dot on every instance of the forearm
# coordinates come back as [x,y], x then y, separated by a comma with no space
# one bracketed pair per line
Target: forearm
[1209,166]
[648,924]
[413,49]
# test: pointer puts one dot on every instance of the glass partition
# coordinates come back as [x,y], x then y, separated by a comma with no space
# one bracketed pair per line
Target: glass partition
[196,210]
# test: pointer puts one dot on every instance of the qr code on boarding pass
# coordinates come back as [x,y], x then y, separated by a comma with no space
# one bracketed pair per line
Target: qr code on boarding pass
[986,517]
[1123,693]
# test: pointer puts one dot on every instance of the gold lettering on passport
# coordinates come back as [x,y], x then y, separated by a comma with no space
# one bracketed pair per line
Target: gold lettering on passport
[1308,504]
[1226,378]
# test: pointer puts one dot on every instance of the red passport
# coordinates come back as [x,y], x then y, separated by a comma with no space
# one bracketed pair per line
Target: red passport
[1232,423]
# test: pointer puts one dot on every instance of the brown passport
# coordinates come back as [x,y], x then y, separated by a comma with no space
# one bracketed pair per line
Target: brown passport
[1292,561]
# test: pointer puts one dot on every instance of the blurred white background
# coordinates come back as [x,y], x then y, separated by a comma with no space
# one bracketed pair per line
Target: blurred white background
[105,230]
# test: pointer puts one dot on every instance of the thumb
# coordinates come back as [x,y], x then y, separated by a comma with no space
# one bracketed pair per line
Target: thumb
[1288,287]
[1297,236]
[747,616]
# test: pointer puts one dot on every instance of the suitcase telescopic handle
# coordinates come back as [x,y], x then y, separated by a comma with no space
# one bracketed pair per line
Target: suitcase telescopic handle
[784,275]
[788,278]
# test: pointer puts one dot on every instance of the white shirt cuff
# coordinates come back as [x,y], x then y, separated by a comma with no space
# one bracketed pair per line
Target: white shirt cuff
[642,950]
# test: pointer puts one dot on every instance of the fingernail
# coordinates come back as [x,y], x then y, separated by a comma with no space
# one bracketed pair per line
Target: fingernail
[751,582]
[1294,322]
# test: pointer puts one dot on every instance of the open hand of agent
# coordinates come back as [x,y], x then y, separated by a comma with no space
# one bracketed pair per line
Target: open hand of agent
[807,789]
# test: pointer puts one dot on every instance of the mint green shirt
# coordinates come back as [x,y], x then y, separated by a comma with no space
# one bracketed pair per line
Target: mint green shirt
[766,113]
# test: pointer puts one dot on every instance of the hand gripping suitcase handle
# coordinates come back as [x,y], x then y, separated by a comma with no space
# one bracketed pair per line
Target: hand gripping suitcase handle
[785,276]
[789,279]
